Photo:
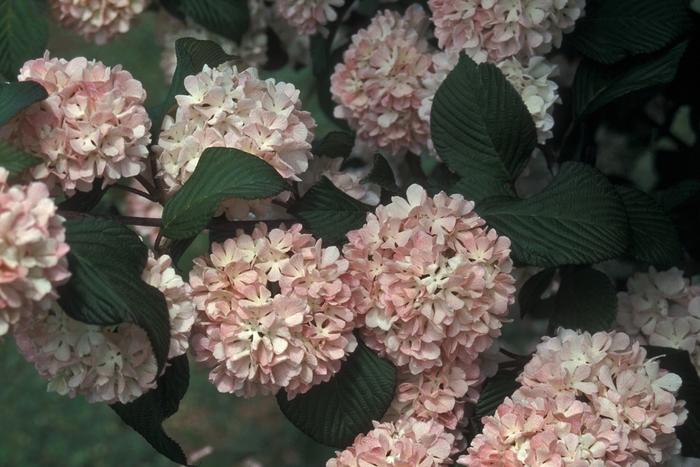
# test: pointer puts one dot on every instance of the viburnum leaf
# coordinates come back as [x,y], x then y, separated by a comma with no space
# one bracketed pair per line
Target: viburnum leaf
[481,127]
[221,173]
[14,160]
[530,295]
[334,413]
[147,413]
[228,18]
[24,32]
[14,97]
[106,261]
[496,389]
[612,30]
[586,300]
[334,144]
[578,219]
[329,213]
[653,237]
[382,175]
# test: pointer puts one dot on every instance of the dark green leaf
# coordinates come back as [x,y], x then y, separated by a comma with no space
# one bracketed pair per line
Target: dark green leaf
[147,413]
[676,196]
[682,204]
[221,173]
[334,413]
[14,97]
[335,144]
[612,30]
[84,201]
[478,186]
[530,296]
[496,389]
[106,260]
[653,238]
[329,213]
[578,219]
[678,362]
[228,18]
[24,31]
[480,125]
[14,160]
[586,300]
[192,55]
[382,175]
[596,85]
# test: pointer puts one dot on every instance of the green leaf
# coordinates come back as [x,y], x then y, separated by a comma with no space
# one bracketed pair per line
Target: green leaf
[678,362]
[221,173]
[329,213]
[15,97]
[147,413]
[85,201]
[586,300]
[480,186]
[106,260]
[578,219]
[335,144]
[653,237]
[334,413]
[24,32]
[228,18]
[480,125]
[14,160]
[192,55]
[597,85]
[530,296]
[382,175]
[496,389]
[613,30]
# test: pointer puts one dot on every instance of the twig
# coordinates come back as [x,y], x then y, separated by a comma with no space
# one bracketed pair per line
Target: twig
[136,191]
[512,355]
[126,220]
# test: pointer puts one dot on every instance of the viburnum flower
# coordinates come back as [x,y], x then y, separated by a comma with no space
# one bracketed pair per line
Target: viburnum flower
[97,20]
[228,108]
[434,281]
[379,84]
[408,442]
[533,83]
[585,400]
[275,312]
[308,16]
[349,181]
[32,250]
[92,125]
[496,29]
[105,364]
[662,308]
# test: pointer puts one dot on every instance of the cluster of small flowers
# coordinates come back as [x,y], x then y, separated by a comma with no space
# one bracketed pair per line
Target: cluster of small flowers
[662,308]
[348,181]
[32,250]
[97,20]
[275,311]
[307,16]
[92,124]
[379,84]
[497,29]
[105,364]
[228,108]
[407,442]
[585,400]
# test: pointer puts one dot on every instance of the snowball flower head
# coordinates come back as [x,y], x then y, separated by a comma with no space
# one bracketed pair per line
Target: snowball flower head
[97,20]
[379,84]
[93,124]
[585,400]
[408,442]
[106,364]
[496,29]
[228,108]
[32,250]
[275,312]
[307,16]
[532,81]
[662,308]
[434,281]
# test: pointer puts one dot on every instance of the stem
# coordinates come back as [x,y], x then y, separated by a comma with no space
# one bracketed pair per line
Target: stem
[512,355]
[136,191]
[126,220]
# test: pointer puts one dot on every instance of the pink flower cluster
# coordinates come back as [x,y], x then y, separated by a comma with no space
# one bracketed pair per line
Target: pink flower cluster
[662,308]
[585,400]
[97,20]
[307,16]
[275,312]
[228,108]
[406,443]
[105,364]
[434,282]
[93,124]
[496,29]
[32,250]
[379,84]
